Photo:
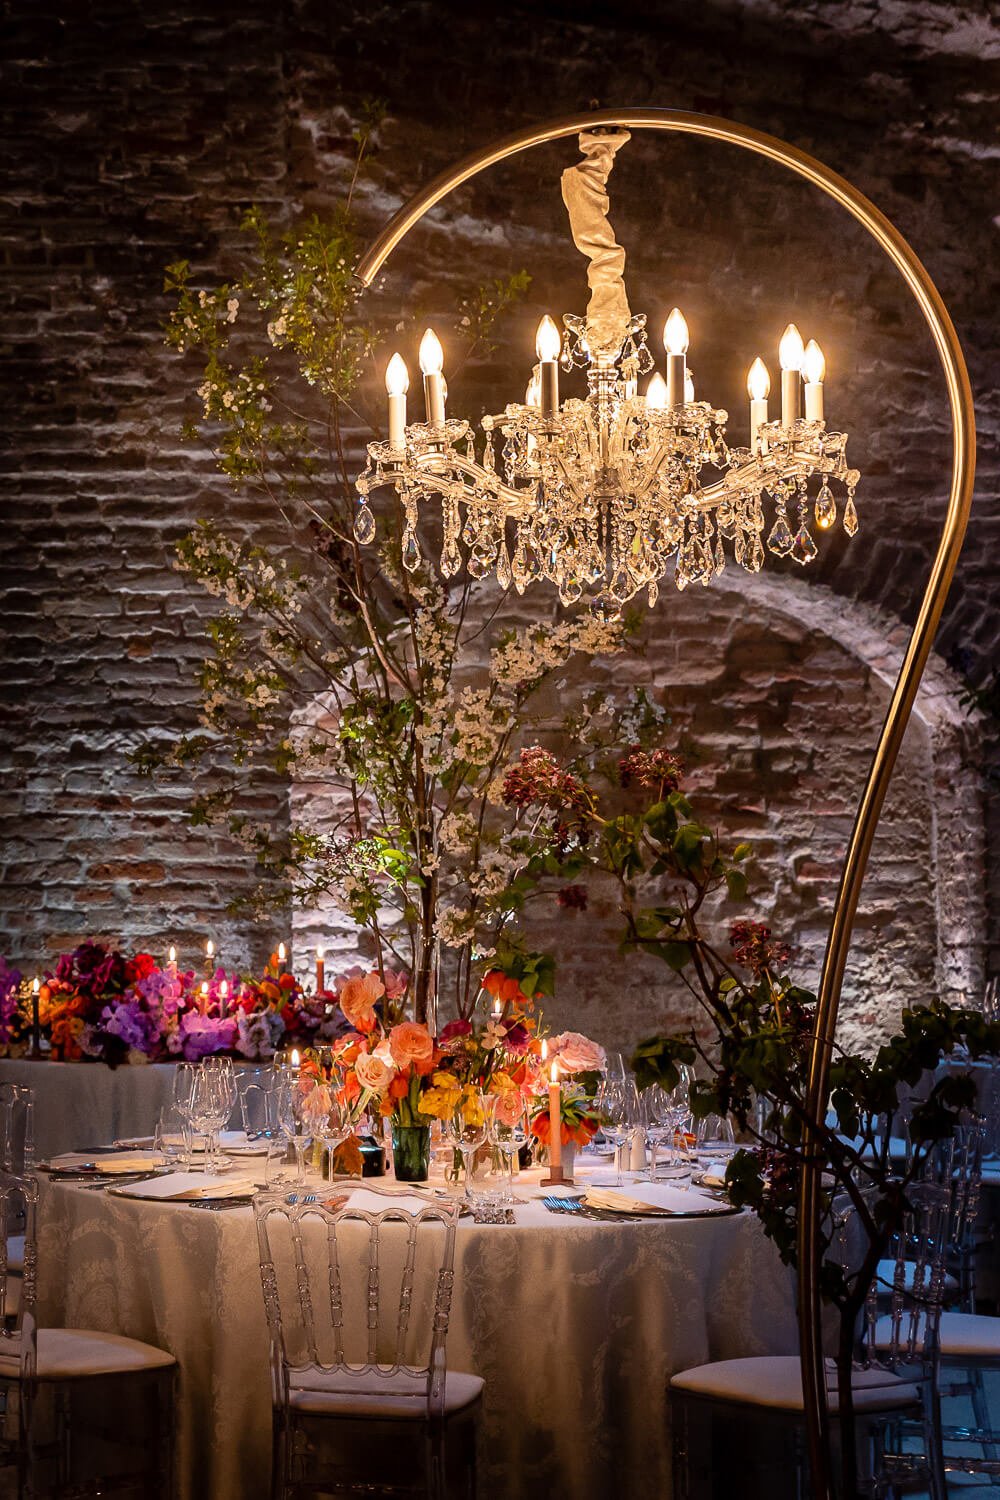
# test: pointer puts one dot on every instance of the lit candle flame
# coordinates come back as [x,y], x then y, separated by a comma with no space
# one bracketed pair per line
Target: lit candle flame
[397,376]
[204,988]
[790,350]
[281,953]
[319,950]
[656,393]
[545,1048]
[36,985]
[210,949]
[431,354]
[554,1072]
[813,363]
[547,340]
[223,989]
[758,381]
[295,1057]
[173,954]
[675,333]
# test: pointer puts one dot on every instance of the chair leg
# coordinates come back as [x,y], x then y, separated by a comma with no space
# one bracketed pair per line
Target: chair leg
[681,1448]
[435,1454]
[981,1410]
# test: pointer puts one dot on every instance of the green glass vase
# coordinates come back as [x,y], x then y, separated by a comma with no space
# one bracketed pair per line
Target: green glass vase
[411,1152]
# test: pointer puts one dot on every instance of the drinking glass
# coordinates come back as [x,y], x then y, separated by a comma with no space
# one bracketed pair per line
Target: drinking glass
[508,1132]
[295,1118]
[183,1084]
[614,1110]
[658,1121]
[468,1130]
[225,1068]
[335,1126]
[210,1106]
[172,1136]
[715,1136]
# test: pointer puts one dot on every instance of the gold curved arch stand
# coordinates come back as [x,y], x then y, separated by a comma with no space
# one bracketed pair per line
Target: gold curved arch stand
[959,502]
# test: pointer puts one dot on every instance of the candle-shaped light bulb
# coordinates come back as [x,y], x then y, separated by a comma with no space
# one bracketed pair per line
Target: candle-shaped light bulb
[759,387]
[675,341]
[547,340]
[547,345]
[814,370]
[432,366]
[397,383]
[281,953]
[790,349]
[790,354]
[675,333]
[656,393]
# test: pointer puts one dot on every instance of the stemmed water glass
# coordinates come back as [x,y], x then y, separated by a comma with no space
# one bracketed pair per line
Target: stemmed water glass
[467,1129]
[508,1132]
[184,1076]
[659,1122]
[297,1120]
[210,1105]
[616,1110]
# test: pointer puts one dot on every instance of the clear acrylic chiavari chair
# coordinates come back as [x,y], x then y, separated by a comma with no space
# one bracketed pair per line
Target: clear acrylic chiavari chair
[358,1305]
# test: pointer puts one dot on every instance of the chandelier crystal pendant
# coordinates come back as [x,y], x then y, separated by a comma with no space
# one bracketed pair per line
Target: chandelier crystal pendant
[603,495]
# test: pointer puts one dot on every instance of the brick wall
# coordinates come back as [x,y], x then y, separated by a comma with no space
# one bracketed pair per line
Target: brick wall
[132,137]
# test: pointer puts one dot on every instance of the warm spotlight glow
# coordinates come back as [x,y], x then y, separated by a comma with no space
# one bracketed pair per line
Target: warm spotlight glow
[675,333]
[790,350]
[547,340]
[758,381]
[813,363]
[397,376]
[431,354]
[656,393]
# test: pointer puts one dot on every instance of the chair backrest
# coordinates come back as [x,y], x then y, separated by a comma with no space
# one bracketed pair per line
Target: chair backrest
[18,1204]
[357,1301]
[17,1141]
[255,1106]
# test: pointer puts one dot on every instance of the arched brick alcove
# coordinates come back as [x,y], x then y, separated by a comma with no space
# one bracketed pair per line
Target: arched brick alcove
[775,691]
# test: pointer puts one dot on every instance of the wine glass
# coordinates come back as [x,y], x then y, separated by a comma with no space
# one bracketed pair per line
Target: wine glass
[508,1132]
[296,1118]
[335,1126]
[658,1122]
[180,1099]
[210,1106]
[172,1136]
[613,1106]
[225,1069]
[468,1130]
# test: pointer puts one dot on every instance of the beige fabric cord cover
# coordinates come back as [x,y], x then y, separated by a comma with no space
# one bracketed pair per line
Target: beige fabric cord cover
[584,194]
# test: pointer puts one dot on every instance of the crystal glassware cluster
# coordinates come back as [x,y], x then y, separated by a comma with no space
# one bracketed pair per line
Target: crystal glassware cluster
[601,495]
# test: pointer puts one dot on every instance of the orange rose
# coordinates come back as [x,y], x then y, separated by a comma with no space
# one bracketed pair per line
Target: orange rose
[409,1042]
[358,998]
[399,1087]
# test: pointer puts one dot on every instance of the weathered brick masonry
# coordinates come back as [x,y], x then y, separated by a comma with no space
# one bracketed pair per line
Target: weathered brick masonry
[133,135]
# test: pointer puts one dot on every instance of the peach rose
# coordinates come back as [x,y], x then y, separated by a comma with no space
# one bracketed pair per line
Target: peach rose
[358,997]
[410,1042]
[372,1073]
[577,1054]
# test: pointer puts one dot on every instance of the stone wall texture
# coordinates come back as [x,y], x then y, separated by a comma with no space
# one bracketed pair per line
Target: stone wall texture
[132,136]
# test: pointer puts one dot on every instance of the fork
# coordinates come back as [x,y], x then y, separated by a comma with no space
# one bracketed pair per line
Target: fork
[583,1210]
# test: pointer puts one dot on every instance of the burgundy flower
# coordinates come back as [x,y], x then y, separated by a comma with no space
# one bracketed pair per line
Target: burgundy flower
[453,1031]
[572,897]
[754,949]
[650,768]
[538,780]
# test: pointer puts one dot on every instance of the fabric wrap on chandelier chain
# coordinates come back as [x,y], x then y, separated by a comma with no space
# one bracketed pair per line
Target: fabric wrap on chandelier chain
[586,199]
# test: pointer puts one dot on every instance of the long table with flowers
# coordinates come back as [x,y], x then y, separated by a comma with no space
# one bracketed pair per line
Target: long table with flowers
[576,1328]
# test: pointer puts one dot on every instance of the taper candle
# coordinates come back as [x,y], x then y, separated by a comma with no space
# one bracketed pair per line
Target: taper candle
[675,341]
[281,953]
[814,370]
[758,389]
[320,968]
[36,1019]
[397,383]
[547,345]
[555,1122]
[203,998]
[223,996]
[172,961]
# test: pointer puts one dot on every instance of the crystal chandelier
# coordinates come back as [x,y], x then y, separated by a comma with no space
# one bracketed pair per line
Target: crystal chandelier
[603,495]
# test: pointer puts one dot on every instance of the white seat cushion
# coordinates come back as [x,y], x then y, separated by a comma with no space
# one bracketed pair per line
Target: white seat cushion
[15,1252]
[396,1396]
[776,1381]
[887,1277]
[970,1334]
[76,1353]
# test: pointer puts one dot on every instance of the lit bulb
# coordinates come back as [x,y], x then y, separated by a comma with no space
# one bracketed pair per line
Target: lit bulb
[758,381]
[173,954]
[547,340]
[431,354]
[397,376]
[656,393]
[688,386]
[281,953]
[790,350]
[675,333]
[813,363]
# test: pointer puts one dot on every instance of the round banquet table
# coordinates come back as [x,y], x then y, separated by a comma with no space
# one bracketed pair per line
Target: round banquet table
[576,1328]
[84,1103]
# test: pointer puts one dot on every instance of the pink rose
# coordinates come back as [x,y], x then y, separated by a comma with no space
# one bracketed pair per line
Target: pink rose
[576,1053]
[358,996]
[372,1073]
[410,1042]
[397,982]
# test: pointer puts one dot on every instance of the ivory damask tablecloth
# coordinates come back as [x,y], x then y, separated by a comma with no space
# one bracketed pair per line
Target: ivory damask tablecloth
[83,1103]
[575,1327]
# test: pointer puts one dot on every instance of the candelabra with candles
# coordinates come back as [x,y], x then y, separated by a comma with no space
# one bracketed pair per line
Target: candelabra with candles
[601,495]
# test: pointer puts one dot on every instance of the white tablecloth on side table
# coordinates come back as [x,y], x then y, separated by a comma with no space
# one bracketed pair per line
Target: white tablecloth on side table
[575,1327]
[86,1103]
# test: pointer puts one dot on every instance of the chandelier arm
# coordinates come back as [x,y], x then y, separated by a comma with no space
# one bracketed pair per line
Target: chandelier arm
[962,411]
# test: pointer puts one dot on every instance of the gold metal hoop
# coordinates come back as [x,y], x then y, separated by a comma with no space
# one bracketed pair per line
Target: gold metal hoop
[963,431]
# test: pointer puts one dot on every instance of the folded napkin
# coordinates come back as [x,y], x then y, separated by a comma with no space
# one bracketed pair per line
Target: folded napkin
[596,1197]
[714,1175]
[187,1187]
[109,1162]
